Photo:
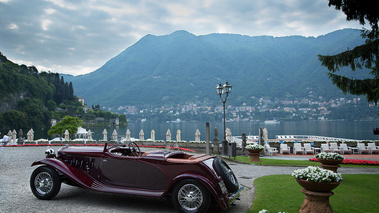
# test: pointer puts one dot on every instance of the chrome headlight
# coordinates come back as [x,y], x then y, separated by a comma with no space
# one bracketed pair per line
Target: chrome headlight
[50,153]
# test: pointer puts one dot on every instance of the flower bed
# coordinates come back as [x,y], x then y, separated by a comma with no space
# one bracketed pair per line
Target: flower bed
[354,161]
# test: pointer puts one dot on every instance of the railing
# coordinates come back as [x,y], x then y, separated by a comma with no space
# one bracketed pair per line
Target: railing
[312,137]
[251,138]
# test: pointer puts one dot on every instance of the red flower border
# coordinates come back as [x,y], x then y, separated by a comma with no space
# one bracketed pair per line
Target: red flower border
[353,161]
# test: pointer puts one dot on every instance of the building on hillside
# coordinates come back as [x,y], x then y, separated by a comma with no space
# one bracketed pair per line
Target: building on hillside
[86,108]
[81,100]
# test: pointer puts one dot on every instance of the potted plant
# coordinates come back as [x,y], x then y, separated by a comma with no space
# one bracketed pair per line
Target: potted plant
[330,161]
[317,179]
[254,148]
[317,186]
[254,151]
[329,158]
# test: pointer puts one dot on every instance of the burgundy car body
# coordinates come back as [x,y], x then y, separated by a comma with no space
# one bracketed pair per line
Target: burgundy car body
[154,173]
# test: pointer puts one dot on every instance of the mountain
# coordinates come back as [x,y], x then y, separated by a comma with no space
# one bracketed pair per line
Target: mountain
[182,67]
[31,99]
[28,99]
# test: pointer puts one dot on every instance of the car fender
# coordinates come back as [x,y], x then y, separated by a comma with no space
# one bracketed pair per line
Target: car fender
[212,186]
[70,172]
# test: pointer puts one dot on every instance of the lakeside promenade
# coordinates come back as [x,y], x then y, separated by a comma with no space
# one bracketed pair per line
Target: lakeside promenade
[16,196]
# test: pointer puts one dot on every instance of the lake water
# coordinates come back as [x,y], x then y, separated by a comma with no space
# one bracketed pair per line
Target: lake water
[362,130]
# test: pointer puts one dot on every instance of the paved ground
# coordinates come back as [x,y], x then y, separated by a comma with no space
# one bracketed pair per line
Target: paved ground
[16,196]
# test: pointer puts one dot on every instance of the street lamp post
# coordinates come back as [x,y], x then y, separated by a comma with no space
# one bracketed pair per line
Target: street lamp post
[223,92]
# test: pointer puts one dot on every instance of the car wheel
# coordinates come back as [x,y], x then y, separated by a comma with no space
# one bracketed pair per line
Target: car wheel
[227,175]
[191,196]
[45,183]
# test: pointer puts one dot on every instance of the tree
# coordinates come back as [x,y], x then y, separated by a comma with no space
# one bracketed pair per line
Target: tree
[71,91]
[14,120]
[51,105]
[35,111]
[122,119]
[69,123]
[364,56]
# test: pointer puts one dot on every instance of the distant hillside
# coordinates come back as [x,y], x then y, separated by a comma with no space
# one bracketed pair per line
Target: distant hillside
[28,99]
[182,67]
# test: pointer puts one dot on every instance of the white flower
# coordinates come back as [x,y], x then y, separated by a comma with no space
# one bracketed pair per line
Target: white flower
[329,156]
[266,211]
[254,146]
[317,174]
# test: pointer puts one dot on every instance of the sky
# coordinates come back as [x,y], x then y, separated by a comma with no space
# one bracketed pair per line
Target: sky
[79,36]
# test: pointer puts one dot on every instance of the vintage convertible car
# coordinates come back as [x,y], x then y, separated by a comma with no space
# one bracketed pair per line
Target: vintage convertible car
[191,181]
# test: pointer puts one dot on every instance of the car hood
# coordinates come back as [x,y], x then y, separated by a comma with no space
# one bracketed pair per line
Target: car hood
[82,150]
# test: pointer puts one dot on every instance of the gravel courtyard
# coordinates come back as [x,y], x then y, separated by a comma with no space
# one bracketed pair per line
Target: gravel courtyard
[16,196]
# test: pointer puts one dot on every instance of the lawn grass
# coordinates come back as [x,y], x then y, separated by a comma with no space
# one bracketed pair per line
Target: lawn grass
[281,193]
[278,162]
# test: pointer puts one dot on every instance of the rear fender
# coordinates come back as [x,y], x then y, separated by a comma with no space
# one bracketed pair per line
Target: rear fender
[79,177]
[213,188]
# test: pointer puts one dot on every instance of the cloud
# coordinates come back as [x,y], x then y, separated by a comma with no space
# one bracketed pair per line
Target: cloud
[13,26]
[78,37]
[45,24]
[50,11]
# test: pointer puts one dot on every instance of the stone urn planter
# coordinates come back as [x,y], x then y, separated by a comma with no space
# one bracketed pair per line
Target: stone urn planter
[330,161]
[254,151]
[317,186]
[254,154]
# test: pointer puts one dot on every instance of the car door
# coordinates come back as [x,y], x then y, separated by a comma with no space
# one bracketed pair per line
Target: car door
[133,172]
[119,170]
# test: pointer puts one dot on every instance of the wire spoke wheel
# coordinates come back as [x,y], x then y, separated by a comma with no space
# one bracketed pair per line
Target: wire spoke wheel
[190,197]
[43,183]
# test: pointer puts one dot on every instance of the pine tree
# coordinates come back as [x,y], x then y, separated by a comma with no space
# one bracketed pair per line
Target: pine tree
[364,56]
[71,91]
[58,95]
